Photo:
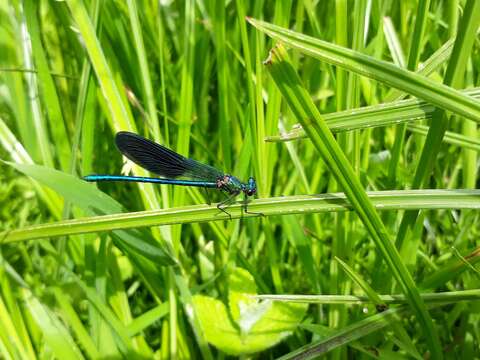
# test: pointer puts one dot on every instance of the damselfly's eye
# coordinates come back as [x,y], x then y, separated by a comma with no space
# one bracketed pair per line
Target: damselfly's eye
[251,192]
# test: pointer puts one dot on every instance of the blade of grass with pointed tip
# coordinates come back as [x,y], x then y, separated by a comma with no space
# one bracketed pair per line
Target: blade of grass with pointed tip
[306,113]
[393,113]
[437,94]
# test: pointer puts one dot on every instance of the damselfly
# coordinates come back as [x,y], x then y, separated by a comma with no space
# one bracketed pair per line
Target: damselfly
[176,169]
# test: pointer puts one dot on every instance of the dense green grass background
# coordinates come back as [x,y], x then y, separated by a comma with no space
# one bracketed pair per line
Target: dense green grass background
[375,226]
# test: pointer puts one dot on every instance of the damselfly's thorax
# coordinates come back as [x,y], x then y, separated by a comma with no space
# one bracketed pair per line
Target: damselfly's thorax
[232,185]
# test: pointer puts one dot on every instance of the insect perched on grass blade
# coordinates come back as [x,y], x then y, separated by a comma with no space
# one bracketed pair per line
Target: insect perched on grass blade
[167,163]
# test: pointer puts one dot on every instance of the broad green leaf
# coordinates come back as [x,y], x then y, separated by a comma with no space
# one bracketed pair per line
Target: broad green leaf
[254,325]
[241,291]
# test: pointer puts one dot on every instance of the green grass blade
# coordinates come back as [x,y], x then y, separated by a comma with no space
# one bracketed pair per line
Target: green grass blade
[122,337]
[144,71]
[288,205]
[373,116]
[224,114]
[17,152]
[75,323]
[100,66]
[344,336]
[427,68]
[302,106]
[92,201]
[38,121]
[143,321]
[49,92]
[251,116]
[453,138]
[372,294]
[56,334]
[393,43]
[11,343]
[453,77]
[430,298]
[186,101]
[439,95]
[413,58]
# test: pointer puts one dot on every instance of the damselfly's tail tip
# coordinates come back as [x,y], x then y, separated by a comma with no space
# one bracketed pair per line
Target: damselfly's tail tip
[89,178]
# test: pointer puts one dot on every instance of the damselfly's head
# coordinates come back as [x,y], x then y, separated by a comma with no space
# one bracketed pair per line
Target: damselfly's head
[250,187]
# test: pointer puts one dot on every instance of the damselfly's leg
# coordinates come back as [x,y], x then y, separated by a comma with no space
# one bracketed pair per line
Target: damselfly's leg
[224,204]
[245,207]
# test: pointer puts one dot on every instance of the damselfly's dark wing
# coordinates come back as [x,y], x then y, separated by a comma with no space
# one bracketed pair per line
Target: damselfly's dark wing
[162,161]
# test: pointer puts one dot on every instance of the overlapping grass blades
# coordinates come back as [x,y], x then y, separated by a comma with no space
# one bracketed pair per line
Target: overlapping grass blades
[307,114]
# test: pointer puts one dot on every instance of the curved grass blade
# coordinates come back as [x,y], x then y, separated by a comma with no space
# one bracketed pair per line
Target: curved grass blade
[93,201]
[419,86]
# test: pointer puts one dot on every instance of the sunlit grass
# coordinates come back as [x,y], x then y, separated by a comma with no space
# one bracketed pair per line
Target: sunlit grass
[141,271]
